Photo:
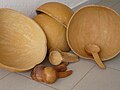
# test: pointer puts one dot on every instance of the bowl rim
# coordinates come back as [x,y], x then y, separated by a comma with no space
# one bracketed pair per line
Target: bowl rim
[40,10]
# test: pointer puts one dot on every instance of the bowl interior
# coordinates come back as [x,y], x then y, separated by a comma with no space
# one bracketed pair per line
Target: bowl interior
[95,25]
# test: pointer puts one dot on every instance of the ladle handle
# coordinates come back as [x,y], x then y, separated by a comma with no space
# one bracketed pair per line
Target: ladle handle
[98,60]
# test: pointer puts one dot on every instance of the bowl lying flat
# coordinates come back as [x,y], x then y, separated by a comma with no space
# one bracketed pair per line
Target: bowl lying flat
[55,32]
[22,41]
[58,11]
[95,25]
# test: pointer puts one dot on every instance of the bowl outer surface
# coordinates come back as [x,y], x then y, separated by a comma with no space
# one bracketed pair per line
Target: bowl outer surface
[95,25]
[58,11]
[55,32]
[23,44]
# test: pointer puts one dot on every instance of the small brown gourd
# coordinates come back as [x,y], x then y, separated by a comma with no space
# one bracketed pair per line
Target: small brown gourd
[49,75]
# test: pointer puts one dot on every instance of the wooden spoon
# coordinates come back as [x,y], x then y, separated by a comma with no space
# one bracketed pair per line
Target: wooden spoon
[94,50]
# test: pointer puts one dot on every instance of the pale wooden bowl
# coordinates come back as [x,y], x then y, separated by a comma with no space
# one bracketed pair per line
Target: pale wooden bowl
[55,32]
[23,44]
[95,30]
[58,11]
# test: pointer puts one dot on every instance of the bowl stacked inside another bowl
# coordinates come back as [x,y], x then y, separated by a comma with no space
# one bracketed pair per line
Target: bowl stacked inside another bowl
[53,17]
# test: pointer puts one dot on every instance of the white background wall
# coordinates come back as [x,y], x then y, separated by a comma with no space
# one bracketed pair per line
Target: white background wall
[28,7]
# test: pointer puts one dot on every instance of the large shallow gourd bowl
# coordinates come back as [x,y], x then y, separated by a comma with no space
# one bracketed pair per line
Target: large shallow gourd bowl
[94,32]
[55,32]
[58,11]
[22,41]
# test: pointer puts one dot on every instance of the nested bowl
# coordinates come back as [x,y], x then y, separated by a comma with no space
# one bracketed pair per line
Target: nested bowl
[58,11]
[55,32]
[95,25]
[22,41]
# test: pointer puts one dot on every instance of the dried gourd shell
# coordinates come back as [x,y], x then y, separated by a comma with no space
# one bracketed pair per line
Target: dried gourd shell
[55,32]
[96,28]
[56,57]
[22,41]
[58,11]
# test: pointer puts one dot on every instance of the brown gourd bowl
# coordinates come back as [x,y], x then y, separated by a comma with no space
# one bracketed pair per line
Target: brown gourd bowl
[54,31]
[95,25]
[23,44]
[58,11]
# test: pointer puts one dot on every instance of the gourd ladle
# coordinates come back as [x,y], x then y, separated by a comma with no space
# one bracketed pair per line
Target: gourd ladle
[94,50]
